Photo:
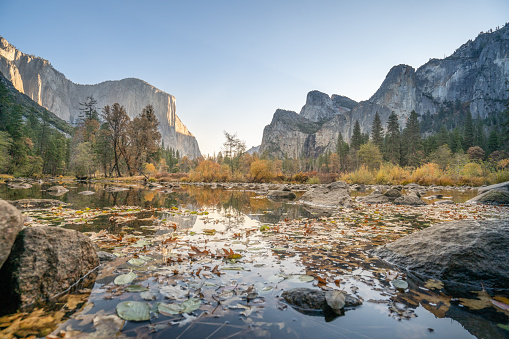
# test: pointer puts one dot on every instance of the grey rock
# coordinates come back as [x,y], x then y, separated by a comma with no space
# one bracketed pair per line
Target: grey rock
[412,200]
[36,203]
[57,189]
[18,185]
[11,223]
[393,193]
[501,186]
[444,202]
[376,198]
[335,194]
[280,194]
[471,252]
[494,196]
[44,262]
[37,78]
[105,256]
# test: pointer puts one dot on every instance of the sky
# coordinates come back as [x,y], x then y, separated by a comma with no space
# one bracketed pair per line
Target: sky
[231,64]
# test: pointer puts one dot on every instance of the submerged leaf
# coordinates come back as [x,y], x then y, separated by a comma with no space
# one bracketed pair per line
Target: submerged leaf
[133,310]
[187,306]
[173,292]
[168,309]
[400,284]
[136,288]
[124,279]
[147,295]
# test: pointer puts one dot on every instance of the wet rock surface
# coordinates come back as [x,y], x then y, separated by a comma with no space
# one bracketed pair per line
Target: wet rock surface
[11,223]
[465,252]
[314,299]
[44,262]
[335,194]
[494,196]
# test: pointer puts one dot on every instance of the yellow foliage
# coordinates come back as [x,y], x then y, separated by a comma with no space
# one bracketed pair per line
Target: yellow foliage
[209,171]
[261,170]
[361,176]
[392,174]
[149,168]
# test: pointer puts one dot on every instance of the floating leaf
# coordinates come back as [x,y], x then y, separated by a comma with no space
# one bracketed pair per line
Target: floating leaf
[190,305]
[141,243]
[168,309]
[400,284]
[125,279]
[147,295]
[232,268]
[187,306]
[335,299]
[136,288]
[500,305]
[133,310]
[136,262]
[173,292]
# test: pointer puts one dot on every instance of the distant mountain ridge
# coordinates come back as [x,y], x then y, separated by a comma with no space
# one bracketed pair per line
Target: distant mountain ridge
[36,78]
[475,74]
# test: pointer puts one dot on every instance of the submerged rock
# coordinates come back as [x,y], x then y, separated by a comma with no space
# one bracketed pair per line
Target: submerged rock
[44,262]
[313,299]
[376,198]
[58,189]
[281,194]
[332,195]
[467,252]
[11,223]
[19,185]
[116,189]
[36,203]
[494,196]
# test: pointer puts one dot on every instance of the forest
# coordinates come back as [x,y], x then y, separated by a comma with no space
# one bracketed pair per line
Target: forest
[446,148]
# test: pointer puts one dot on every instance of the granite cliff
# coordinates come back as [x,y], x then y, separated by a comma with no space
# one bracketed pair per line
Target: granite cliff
[475,75]
[37,78]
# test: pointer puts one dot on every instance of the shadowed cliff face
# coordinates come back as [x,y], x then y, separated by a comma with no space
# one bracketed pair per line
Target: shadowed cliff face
[475,75]
[36,78]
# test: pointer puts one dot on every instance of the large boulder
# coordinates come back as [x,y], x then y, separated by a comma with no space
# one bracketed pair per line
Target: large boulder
[376,198]
[335,194]
[494,196]
[502,186]
[44,262]
[11,223]
[467,252]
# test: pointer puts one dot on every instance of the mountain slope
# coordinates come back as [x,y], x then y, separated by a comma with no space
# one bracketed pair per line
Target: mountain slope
[475,75]
[21,99]
[36,78]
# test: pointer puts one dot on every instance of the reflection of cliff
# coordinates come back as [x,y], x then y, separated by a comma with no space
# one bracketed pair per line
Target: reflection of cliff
[182,221]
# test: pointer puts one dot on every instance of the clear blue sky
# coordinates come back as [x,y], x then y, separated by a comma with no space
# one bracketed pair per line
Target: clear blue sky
[231,64]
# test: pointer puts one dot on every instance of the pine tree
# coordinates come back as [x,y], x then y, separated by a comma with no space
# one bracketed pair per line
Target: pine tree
[493,141]
[377,132]
[468,132]
[411,145]
[356,140]
[442,136]
[342,149]
[393,140]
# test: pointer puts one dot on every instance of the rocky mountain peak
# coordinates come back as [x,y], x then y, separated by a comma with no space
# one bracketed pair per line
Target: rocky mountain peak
[321,107]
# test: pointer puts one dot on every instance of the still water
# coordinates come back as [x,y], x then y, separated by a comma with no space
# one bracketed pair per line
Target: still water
[233,252]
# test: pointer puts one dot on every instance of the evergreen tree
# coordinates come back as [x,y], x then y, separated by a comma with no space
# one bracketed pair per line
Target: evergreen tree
[479,136]
[377,132]
[411,145]
[393,140]
[442,136]
[342,149]
[356,140]
[468,132]
[493,141]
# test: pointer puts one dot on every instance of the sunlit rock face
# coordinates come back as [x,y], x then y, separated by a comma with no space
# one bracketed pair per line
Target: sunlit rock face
[38,79]
[474,75]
